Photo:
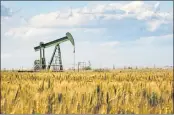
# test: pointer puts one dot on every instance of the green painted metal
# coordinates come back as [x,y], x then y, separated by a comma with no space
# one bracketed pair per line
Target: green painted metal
[55,42]
[60,58]
[70,38]
[42,46]
[52,57]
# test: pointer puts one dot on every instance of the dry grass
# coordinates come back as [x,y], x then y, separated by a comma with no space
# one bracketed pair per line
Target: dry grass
[126,91]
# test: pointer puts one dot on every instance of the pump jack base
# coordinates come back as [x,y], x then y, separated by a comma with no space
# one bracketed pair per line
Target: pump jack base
[39,71]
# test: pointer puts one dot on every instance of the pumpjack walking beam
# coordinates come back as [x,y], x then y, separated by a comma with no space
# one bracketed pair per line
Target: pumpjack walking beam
[57,42]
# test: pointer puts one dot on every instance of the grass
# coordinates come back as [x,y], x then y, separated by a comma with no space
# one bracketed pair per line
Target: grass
[146,91]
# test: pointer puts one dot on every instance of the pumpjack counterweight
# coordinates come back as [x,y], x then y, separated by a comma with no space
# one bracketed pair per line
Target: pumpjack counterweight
[41,64]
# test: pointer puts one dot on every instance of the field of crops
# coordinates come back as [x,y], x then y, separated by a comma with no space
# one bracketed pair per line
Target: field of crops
[120,91]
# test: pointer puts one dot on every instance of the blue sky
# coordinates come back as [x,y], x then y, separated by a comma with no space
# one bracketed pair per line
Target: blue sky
[107,33]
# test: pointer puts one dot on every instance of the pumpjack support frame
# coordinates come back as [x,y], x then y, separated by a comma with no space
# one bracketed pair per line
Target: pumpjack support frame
[57,48]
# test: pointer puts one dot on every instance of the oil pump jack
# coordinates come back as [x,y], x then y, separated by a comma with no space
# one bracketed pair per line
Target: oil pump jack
[41,64]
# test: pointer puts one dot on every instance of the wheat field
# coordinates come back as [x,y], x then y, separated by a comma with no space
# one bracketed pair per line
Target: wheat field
[145,91]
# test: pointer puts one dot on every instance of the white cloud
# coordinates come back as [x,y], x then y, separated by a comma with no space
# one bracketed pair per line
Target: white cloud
[150,40]
[133,6]
[31,33]
[154,24]
[94,30]
[42,20]
[138,9]
[159,19]
[110,44]
[5,55]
